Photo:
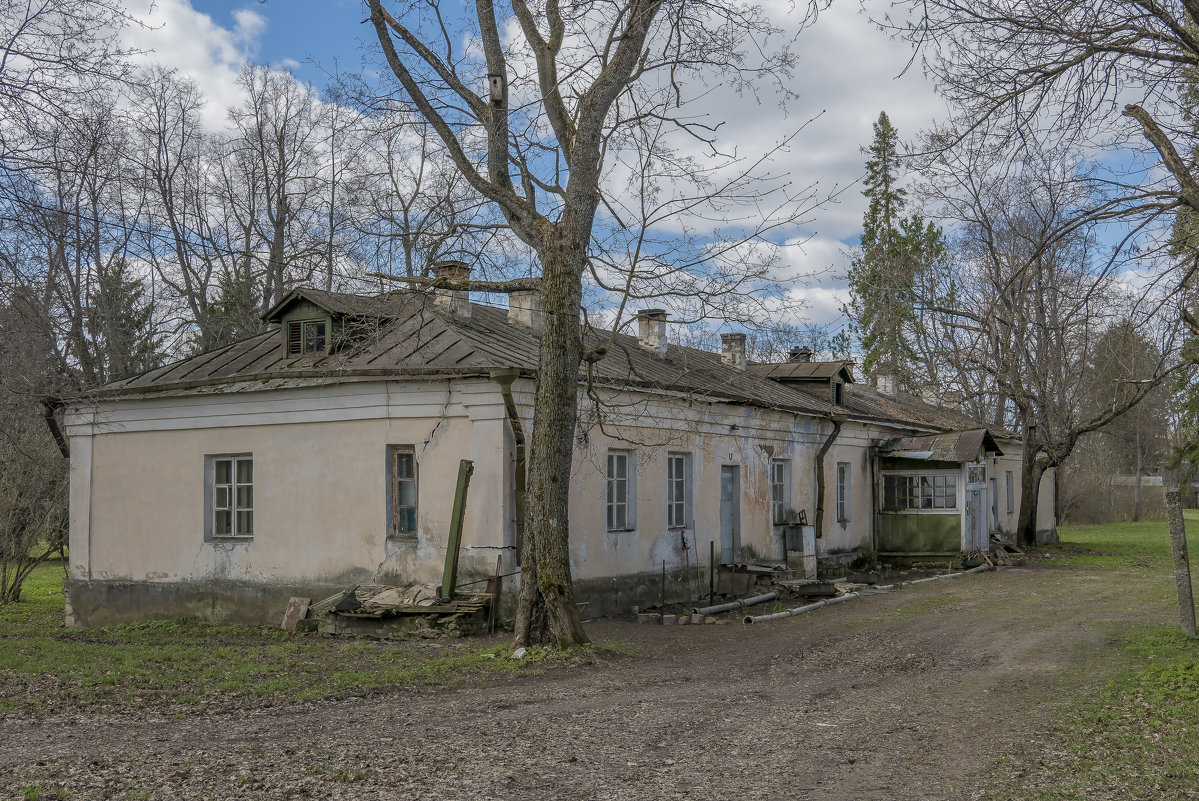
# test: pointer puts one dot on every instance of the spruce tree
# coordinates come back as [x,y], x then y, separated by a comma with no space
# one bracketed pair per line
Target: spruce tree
[894,253]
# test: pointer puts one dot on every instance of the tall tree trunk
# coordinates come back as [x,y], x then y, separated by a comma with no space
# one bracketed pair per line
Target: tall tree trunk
[1030,489]
[545,557]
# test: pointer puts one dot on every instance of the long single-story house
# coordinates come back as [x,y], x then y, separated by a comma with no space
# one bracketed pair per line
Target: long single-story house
[323,454]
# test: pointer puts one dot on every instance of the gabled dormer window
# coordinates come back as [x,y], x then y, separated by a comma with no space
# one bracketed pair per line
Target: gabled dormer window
[838,393]
[306,336]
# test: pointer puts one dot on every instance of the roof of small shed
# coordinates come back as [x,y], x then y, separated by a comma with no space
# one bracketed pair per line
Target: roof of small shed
[954,446]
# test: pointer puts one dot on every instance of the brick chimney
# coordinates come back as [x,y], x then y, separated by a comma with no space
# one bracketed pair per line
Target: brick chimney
[732,350]
[524,308]
[800,353]
[651,331]
[456,301]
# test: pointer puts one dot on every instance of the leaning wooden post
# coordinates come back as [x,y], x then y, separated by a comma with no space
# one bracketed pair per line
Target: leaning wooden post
[1182,565]
[449,579]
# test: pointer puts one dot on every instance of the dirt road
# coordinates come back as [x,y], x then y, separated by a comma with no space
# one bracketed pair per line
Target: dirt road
[918,694]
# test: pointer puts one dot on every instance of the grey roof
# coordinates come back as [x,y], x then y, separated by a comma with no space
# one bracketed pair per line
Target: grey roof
[803,371]
[402,333]
[954,446]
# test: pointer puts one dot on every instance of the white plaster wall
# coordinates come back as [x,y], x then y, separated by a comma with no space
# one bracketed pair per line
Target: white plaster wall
[714,435]
[320,484]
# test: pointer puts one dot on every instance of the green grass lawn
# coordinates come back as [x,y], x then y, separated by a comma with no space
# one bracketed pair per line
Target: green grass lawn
[178,664]
[1139,737]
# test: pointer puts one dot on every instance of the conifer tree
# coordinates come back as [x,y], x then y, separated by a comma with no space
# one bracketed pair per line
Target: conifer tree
[894,254]
[121,323]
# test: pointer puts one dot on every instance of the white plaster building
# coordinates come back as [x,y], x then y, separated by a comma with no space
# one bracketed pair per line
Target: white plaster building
[323,454]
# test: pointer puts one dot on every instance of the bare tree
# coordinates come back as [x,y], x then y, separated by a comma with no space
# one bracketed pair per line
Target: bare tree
[530,118]
[1032,299]
[1063,73]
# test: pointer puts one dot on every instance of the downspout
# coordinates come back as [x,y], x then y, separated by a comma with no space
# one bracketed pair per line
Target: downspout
[837,421]
[50,406]
[505,378]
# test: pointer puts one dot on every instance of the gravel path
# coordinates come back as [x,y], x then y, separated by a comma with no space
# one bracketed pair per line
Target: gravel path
[917,694]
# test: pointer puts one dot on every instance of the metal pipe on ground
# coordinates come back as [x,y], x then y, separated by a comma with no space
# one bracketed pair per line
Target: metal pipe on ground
[799,610]
[738,604]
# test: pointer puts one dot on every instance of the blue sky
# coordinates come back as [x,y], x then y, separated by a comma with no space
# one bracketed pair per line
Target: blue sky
[847,73]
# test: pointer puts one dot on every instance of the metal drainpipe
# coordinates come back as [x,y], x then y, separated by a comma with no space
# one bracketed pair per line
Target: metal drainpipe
[837,420]
[505,378]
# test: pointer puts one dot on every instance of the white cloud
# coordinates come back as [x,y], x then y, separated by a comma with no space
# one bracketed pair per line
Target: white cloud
[177,36]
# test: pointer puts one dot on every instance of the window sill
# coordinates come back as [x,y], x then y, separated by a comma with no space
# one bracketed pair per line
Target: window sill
[625,530]
[230,540]
[403,537]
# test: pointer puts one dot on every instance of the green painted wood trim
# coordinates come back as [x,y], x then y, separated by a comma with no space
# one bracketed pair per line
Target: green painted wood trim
[449,578]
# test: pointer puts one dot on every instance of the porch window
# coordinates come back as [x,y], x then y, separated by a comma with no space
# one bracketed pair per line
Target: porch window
[843,492]
[231,496]
[401,465]
[902,493]
[619,501]
[780,490]
[678,490]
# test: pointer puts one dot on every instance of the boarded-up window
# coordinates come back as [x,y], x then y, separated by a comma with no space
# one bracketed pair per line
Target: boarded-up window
[1010,481]
[295,339]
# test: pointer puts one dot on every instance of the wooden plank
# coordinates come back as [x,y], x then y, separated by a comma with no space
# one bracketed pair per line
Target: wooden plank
[297,608]
[449,578]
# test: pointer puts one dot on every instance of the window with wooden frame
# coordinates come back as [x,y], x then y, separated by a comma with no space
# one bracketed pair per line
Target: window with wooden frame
[306,336]
[780,491]
[230,494]
[1010,480]
[402,495]
[619,503]
[678,490]
[843,490]
[902,493]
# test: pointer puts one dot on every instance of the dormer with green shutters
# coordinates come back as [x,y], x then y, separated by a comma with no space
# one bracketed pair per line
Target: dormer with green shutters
[315,323]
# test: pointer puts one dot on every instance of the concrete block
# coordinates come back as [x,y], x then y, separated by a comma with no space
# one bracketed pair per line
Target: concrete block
[697,619]
[668,620]
[649,619]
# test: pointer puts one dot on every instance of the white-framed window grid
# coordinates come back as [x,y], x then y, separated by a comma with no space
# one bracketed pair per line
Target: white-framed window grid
[619,499]
[843,491]
[230,495]
[678,490]
[780,490]
[922,491]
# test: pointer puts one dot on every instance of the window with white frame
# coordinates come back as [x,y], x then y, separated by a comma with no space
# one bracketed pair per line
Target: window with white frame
[401,467]
[678,490]
[619,500]
[1010,481]
[903,493]
[780,490]
[843,492]
[231,496]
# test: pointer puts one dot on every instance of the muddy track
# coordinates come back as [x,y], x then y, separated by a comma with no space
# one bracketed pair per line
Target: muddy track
[917,694]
